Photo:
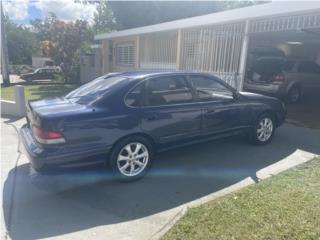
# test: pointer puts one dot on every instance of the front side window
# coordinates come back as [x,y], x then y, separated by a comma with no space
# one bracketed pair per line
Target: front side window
[168,90]
[134,97]
[125,54]
[209,90]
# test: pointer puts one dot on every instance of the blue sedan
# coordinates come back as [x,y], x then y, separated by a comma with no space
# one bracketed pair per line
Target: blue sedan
[124,119]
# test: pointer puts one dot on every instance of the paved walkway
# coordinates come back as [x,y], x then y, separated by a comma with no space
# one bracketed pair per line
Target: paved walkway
[89,205]
[13,79]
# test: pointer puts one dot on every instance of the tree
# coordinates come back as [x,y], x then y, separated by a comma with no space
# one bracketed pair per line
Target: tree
[104,20]
[130,14]
[64,42]
[21,41]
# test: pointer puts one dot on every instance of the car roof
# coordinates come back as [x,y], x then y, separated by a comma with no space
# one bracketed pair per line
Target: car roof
[141,74]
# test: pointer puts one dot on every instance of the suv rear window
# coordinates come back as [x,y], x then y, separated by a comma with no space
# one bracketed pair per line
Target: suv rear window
[288,65]
[270,66]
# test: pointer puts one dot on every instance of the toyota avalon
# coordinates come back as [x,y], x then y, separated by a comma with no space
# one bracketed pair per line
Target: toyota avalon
[124,119]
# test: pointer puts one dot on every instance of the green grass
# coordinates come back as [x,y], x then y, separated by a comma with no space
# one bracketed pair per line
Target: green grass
[286,206]
[38,91]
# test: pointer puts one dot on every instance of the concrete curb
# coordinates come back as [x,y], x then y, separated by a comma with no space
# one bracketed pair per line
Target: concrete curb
[297,158]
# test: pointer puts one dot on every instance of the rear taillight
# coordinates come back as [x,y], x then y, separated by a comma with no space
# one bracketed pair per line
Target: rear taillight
[279,77]
[47,137]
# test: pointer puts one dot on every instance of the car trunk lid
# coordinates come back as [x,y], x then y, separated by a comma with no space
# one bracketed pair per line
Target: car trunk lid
[40,111]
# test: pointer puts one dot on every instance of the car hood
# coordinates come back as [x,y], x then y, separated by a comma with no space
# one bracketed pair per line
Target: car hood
[256,96]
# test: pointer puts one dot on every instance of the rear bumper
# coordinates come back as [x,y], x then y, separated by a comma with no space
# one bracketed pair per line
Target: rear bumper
[270,89]
[43,158]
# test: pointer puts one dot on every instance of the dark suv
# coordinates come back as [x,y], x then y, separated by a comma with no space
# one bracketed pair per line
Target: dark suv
[123,119]
[41,74]
[282,77]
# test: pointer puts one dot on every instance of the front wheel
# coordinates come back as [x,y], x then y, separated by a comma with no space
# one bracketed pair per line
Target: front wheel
[263,130]
[131,158]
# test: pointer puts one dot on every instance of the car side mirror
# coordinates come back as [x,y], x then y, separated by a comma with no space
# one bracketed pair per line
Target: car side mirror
[235,95]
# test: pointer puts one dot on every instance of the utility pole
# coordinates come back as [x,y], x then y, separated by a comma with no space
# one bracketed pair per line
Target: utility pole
[4,51]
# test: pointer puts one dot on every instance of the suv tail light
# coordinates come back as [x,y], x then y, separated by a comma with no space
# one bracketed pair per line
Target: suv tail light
[279,77]
[47,137]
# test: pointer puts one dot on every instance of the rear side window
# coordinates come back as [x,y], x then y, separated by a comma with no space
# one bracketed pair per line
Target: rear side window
[168,90]
[309,67]
[209,89]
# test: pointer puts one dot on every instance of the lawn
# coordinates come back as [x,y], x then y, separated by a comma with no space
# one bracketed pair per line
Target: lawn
[38,91]
[286,206]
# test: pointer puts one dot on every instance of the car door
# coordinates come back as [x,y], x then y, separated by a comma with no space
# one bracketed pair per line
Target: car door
[170,113]
[39,74]
[221,110]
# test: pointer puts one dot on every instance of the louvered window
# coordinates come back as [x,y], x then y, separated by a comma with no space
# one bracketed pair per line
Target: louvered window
[125,54]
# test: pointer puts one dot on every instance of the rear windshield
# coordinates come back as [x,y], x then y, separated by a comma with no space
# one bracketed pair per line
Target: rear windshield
[94,90]
[268,66]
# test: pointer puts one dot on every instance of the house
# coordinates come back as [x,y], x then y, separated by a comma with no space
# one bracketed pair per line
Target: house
[222,43]
[39,61]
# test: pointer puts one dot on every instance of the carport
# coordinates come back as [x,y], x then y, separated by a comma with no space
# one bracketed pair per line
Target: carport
[296,36]
[224,44]
[293,37]
[216,43]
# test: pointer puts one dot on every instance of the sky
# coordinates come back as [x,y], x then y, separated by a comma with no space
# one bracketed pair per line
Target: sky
[22,11]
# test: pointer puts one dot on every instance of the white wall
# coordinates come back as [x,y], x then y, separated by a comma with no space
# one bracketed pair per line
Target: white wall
[15,108]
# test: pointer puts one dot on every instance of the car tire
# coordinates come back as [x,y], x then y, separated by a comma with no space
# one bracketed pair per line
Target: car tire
[129,163]
[263,130]
[294,94]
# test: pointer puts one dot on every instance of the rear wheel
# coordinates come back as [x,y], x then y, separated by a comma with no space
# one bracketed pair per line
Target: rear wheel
[294,94]
[131,158]
[263,130]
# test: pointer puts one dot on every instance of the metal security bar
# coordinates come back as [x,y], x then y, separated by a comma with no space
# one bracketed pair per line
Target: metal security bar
[158,50]
[285,23]
[214,49]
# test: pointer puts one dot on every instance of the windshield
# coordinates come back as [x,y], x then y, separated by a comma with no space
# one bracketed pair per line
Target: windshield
[94,90]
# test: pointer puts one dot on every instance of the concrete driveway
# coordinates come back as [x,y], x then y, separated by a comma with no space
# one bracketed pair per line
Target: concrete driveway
[13,79]
[89,205]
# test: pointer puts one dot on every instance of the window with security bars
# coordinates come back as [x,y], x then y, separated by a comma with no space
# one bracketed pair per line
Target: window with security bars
[125,54]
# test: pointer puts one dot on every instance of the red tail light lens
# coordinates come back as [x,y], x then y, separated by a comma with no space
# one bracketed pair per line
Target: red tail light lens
[279,78]
[47,137]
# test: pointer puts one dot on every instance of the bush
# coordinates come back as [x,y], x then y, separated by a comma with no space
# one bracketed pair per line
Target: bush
[20,69]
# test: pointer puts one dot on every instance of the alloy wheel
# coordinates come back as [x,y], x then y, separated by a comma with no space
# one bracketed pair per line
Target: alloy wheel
[133,159]
[265,129]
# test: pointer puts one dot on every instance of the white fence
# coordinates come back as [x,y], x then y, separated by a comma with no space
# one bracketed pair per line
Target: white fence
[158,50]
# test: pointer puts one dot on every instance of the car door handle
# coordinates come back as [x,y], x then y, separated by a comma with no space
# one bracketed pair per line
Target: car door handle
[151,118]
[210,110]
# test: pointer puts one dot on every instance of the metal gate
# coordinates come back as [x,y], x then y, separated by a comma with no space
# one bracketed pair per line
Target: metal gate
[214,49]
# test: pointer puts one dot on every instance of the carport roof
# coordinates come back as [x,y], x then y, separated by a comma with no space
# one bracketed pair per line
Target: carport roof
[246,13]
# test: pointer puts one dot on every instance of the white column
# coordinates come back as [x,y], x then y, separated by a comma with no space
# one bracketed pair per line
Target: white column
[20,101]
[243,56]
[137,60]
[179,39]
